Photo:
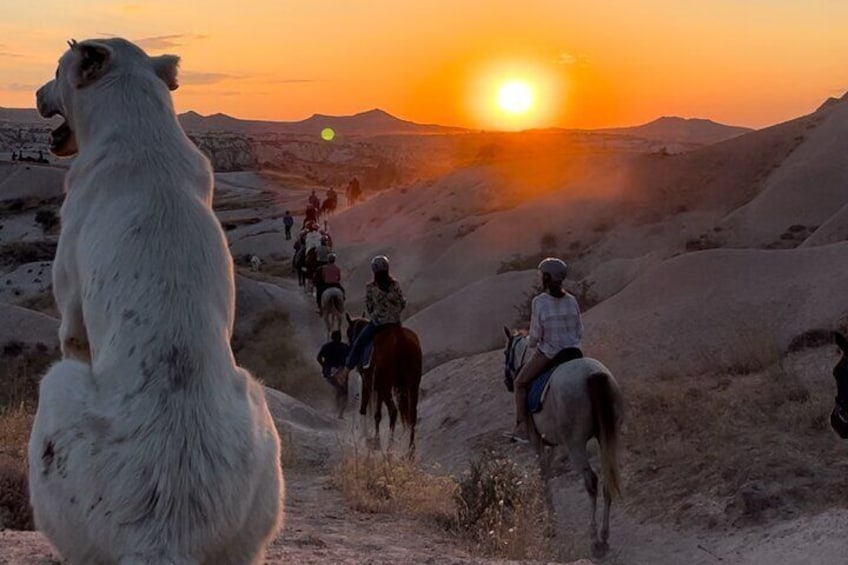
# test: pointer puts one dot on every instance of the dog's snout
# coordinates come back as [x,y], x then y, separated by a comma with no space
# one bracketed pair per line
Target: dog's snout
[44,101]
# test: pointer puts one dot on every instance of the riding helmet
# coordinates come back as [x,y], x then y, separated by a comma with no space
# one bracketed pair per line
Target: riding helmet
[556,269]
[380,263]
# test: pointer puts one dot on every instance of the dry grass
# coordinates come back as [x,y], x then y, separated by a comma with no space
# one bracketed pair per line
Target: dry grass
[501,512]
[380,482]
[732,449]
[496,508]
[21,369]
[15,427]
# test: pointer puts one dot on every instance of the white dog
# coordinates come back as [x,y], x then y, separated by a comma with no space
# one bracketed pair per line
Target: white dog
[255,263]
[150,445]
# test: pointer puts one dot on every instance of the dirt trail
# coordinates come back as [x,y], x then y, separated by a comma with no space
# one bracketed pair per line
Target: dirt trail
[811,539]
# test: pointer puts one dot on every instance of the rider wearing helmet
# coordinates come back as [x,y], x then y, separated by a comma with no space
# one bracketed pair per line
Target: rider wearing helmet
[555,330]
[327,276]
[384,302]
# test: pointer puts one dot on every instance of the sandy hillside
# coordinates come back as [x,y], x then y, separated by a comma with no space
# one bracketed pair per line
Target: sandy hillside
[720,345]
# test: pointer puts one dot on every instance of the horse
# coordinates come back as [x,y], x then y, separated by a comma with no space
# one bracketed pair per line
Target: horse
[299,262]
[310,263]
[333,309]
[328,208]
[839,415]
[394,375]
[583,402]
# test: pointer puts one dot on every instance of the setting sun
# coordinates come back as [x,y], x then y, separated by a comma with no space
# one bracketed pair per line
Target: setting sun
[515,97]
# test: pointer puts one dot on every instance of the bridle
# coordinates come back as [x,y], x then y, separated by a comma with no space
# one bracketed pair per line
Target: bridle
[511,370]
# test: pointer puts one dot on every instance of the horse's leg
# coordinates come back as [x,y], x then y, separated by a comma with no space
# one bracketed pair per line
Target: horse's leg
[579,460]
[378,415]
[393,413]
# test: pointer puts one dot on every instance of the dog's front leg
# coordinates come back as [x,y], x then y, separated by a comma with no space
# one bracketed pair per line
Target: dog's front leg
[73,336]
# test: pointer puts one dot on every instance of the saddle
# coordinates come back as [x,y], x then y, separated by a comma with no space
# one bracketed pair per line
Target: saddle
[539,387]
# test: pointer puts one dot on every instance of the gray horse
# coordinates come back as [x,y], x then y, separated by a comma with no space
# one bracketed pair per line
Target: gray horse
[583,401]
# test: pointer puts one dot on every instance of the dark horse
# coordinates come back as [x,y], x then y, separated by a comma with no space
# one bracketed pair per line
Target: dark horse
[328,207]
[839,416]
[310,264]
[394,375]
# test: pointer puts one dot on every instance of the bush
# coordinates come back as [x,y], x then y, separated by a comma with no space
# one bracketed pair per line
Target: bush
[19,252]
[47,219]
[501,511]
[15,511]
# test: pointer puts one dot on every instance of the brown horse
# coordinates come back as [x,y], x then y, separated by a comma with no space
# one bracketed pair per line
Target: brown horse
[309,265]
[394,375]
[328,207]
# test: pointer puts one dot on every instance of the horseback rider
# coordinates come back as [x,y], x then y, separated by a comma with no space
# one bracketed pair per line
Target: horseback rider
[384,302]
[311,215]
[288,222]
[331,195]
[327,276]
[314,201]
[313,237]
[555,330]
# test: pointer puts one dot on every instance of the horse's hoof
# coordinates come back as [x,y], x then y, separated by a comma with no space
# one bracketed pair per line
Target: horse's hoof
[599,549]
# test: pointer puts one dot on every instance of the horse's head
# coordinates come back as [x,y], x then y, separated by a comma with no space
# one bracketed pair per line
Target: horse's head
[515,355]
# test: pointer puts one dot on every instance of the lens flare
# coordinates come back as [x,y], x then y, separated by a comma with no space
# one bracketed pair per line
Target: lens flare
[327,134]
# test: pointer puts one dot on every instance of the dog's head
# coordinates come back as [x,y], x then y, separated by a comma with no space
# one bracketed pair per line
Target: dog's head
[86,68]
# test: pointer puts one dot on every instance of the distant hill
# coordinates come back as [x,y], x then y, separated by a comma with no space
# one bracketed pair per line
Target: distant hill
[370,123]
[22,116]
[681,130]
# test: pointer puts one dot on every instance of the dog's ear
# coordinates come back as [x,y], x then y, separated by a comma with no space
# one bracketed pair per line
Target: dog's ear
[166,69]
[95,59]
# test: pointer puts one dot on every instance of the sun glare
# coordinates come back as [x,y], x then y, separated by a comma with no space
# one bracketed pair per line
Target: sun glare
[515,97]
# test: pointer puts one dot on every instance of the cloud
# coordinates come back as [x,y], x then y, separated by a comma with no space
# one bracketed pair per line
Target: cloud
[294,80]
[20,87]
[4,51]
[572,60]
[190,77]
[167,41]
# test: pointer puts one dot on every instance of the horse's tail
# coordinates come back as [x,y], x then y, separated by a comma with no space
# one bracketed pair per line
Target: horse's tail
[409,378]
[606,408]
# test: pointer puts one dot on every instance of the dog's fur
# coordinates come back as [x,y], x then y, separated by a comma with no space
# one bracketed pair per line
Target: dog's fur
[149,445]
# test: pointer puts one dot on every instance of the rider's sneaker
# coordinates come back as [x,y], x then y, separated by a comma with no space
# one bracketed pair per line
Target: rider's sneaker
[520,436]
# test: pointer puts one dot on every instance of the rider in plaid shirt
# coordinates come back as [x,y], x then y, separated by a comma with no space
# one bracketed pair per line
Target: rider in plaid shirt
[555,329]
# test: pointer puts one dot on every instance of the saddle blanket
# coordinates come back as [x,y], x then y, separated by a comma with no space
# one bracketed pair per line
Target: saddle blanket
[538,390]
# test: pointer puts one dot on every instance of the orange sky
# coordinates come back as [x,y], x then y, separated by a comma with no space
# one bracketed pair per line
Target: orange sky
[591,64]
